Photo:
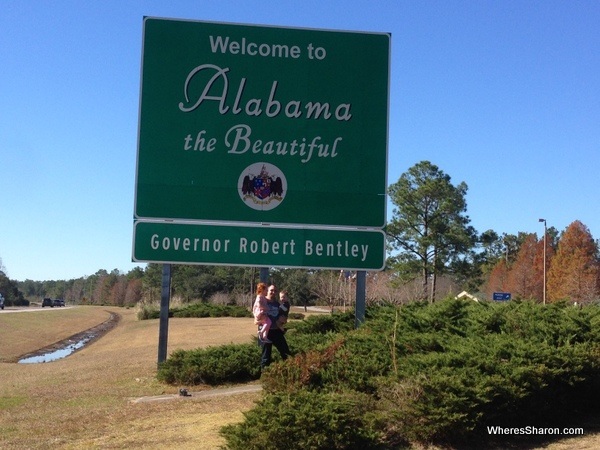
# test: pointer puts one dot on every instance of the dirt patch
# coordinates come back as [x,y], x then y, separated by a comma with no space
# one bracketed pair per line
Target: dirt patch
[89,336]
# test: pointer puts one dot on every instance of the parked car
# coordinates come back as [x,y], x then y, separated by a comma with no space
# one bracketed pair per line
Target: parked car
[47,302]
[58,302]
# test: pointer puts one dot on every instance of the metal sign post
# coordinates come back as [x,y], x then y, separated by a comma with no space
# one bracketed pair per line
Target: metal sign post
[165,297]
[264,275]
[361,298]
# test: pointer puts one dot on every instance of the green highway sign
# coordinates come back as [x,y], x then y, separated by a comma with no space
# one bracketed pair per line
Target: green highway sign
[259,124]
[267,246]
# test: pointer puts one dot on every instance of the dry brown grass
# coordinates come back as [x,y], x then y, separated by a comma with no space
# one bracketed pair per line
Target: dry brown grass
[83,401]
[28,331]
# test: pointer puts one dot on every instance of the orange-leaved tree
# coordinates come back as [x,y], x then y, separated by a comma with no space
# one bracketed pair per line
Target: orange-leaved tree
[573,273]
[522,281]
[498,279]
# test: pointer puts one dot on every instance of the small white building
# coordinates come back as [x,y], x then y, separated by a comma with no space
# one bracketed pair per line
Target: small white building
[465,294]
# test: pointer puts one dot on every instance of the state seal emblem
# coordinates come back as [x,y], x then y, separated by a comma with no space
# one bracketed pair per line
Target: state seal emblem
[262,186]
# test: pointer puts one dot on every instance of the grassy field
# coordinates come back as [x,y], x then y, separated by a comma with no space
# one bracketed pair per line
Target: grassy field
[84,401]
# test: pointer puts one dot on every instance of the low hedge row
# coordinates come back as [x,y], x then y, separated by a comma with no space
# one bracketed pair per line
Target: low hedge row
[203,310]
[196,310]
[240,362]
[213,365]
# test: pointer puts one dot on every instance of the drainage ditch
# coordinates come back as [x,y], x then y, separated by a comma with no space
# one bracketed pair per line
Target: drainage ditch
[70,345]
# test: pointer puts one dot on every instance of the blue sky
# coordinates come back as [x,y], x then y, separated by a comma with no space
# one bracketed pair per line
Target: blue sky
[504,96]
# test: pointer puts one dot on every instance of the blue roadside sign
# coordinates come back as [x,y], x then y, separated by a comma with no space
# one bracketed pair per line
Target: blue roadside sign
[501,296]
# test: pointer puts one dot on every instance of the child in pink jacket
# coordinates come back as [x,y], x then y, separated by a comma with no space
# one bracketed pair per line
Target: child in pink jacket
[260,313]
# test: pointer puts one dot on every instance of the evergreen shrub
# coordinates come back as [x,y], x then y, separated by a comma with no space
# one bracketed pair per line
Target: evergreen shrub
[213,365]
[326,323]
[296,316]
[307,420]
[240,363]
[196,310]
[441,373]
[210,310]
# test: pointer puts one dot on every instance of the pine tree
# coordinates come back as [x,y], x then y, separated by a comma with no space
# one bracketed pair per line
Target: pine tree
[429,225]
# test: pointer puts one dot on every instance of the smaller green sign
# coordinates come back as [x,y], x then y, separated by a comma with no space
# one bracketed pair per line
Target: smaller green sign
[268,246]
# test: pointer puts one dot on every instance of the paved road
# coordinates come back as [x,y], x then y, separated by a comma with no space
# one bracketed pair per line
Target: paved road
[16,309]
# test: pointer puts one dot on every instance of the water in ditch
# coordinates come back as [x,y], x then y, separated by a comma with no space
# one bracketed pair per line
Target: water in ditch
[57,354]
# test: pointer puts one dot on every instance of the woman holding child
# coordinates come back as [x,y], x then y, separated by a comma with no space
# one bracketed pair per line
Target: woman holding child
[270,314]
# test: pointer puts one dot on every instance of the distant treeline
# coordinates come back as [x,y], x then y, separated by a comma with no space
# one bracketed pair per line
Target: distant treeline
[219,284]
[224,285]
[10,291]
